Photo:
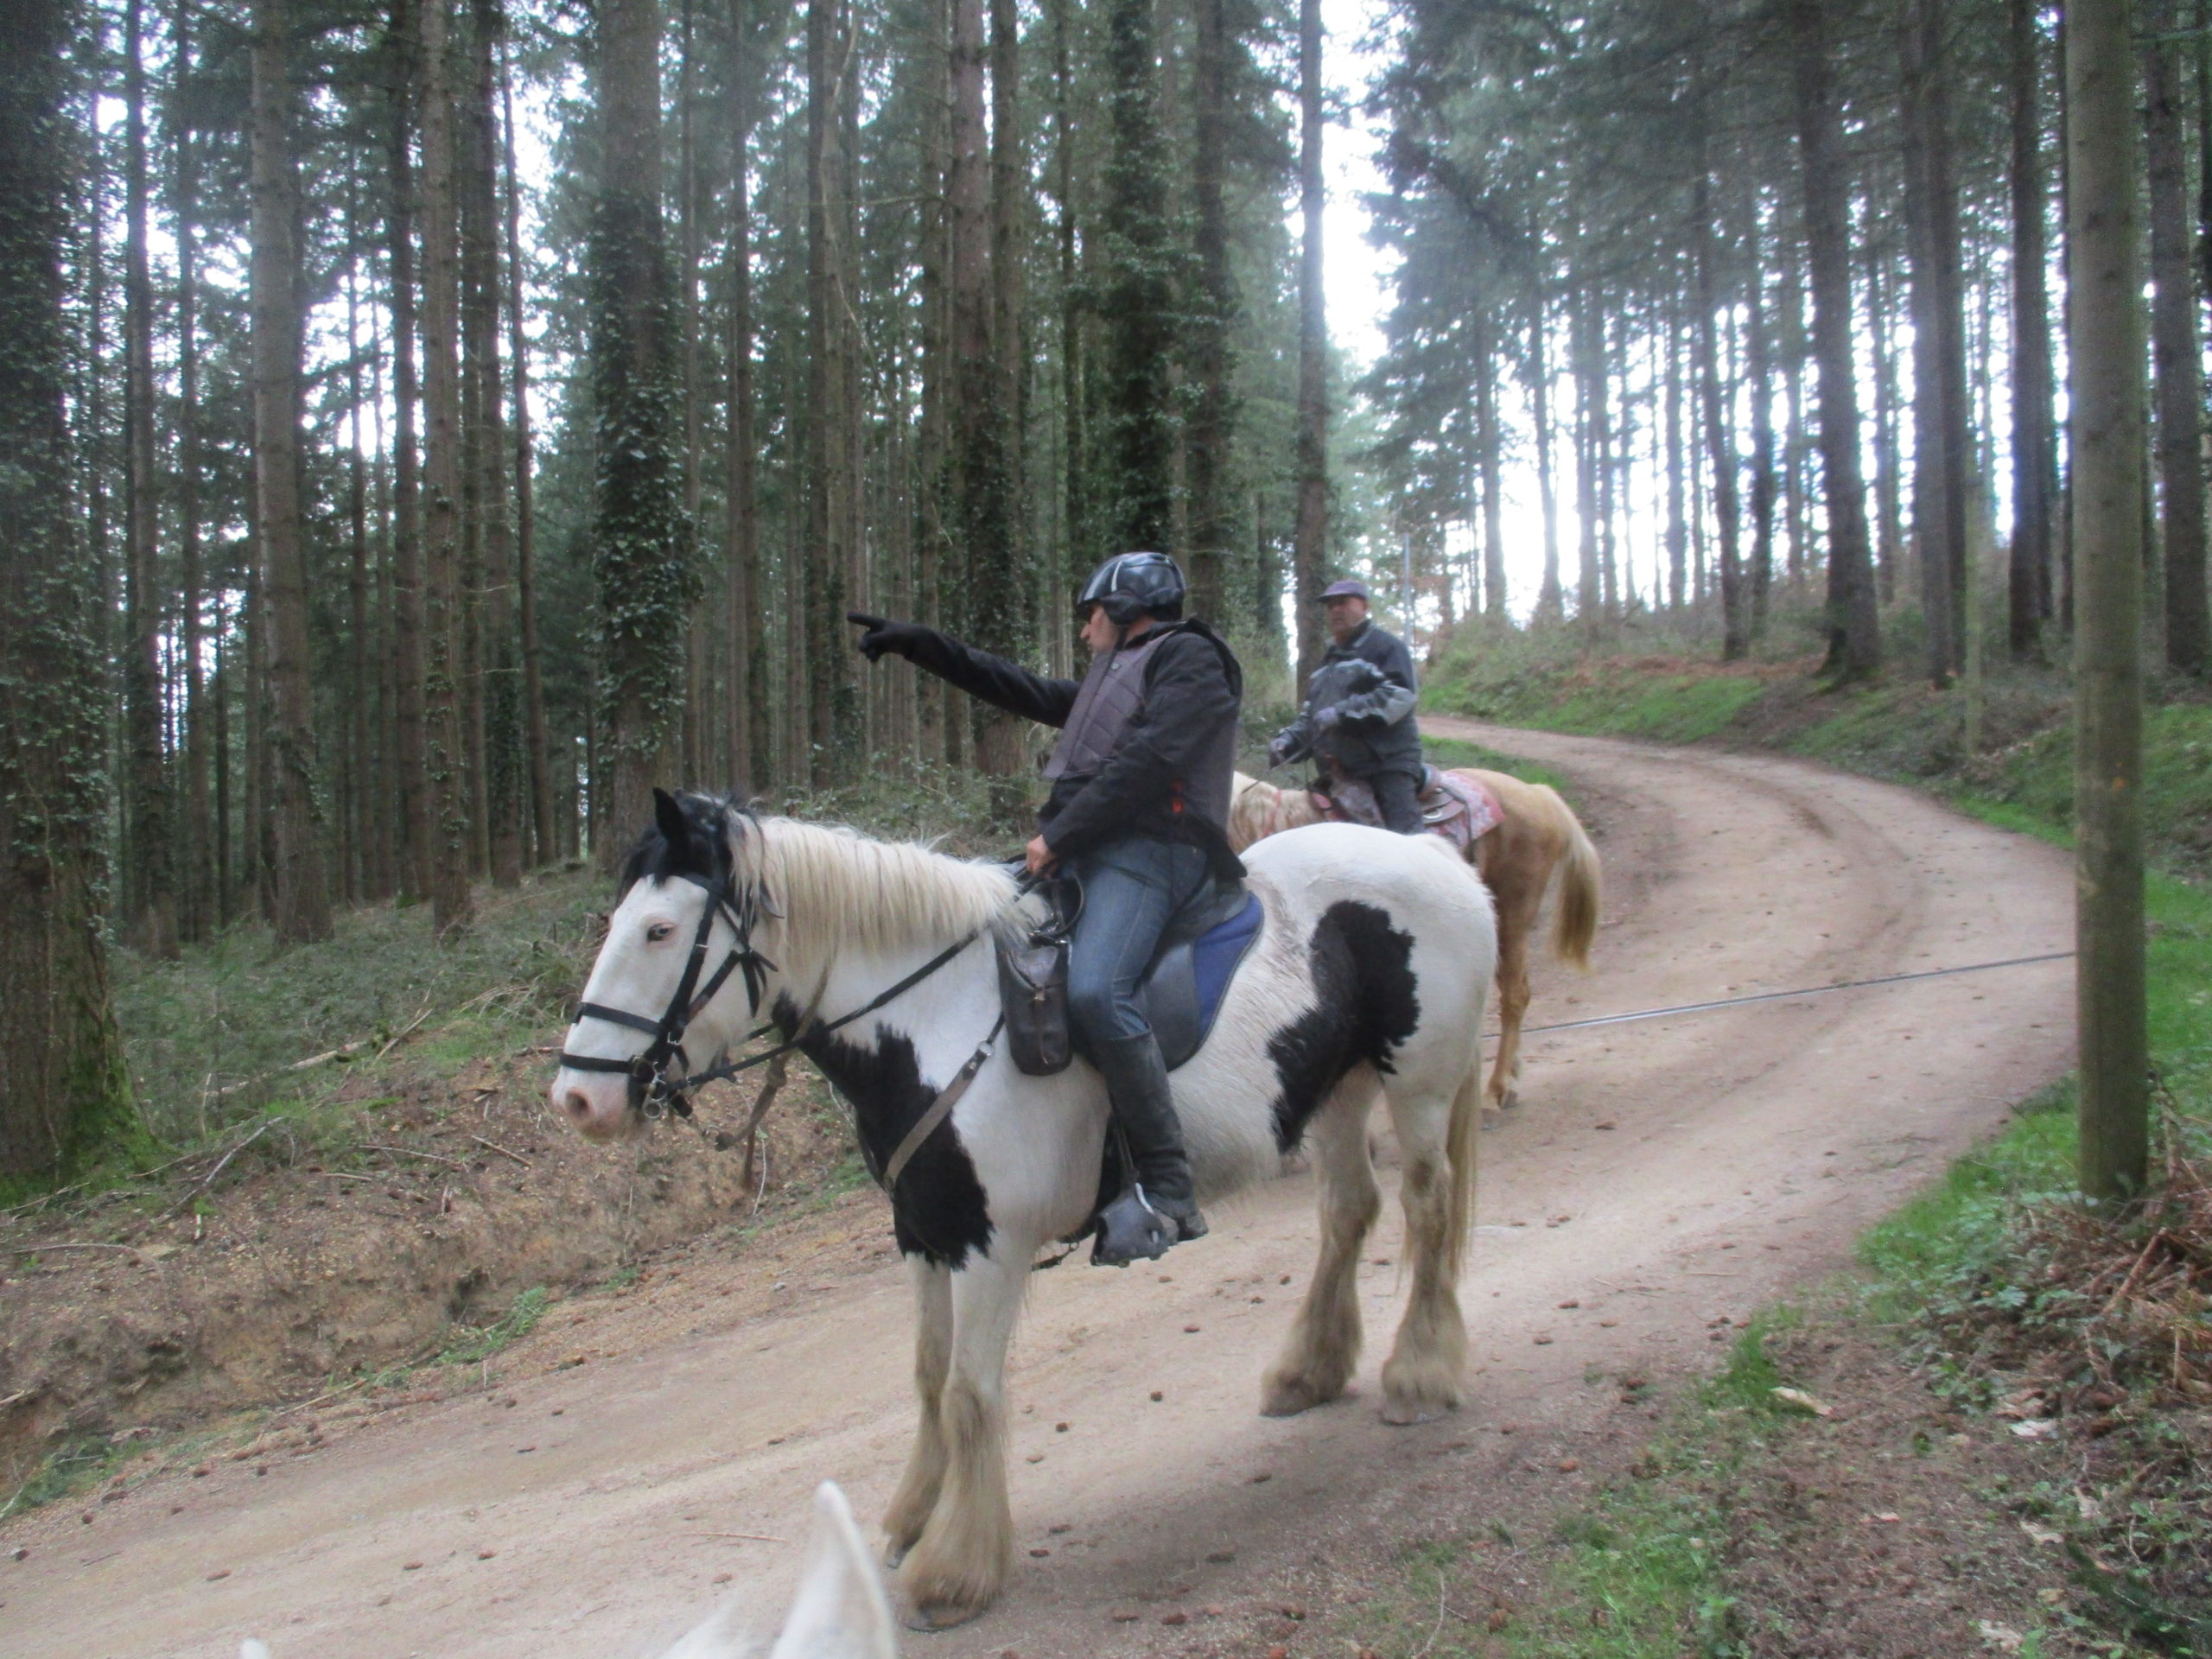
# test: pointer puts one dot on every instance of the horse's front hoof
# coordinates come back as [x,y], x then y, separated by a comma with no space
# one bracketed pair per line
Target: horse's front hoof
[1286,1396]
[931,1620]
[1404,1413]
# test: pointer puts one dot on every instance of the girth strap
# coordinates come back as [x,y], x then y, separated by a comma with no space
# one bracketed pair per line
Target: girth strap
[940,1108]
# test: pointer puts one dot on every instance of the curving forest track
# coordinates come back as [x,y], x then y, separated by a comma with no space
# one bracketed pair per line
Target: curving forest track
[1657,1177]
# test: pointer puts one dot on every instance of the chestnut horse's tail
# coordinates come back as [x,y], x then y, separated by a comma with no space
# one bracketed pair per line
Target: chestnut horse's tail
[1575,926]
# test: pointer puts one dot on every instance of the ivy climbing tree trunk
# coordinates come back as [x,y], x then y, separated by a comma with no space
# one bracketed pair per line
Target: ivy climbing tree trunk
[1213,309]
[1310,531]
[303,910]
[65,1098]
[1136,454]
[640,553]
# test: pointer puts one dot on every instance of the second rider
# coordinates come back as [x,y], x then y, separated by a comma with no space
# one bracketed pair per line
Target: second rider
[1141,783]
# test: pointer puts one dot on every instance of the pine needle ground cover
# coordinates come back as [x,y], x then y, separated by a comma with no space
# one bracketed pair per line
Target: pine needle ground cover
[2053,1367]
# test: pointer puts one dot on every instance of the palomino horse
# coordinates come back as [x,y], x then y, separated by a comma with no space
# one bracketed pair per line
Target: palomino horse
[1537,834]
[1368,976]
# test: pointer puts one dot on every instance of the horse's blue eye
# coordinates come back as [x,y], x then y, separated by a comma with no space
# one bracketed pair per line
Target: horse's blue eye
[659,931]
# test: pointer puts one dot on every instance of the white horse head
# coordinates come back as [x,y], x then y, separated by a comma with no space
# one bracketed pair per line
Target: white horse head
[839,1611]
[741,918]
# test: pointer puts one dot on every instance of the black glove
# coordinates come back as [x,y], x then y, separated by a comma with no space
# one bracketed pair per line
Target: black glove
[1280,750]
[882,636]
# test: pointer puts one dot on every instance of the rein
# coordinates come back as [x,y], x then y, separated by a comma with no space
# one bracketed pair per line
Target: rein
[653,1092]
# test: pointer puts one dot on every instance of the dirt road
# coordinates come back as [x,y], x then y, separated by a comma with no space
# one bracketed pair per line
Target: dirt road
[1656,1176]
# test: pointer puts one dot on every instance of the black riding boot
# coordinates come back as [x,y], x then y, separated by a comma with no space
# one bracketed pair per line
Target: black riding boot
[1157,1211]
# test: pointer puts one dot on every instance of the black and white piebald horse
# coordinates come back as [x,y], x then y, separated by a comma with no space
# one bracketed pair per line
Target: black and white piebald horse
[1368,977]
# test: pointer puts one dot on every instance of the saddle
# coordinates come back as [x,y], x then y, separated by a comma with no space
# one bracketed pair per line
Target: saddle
[1455,807]
[1199,953]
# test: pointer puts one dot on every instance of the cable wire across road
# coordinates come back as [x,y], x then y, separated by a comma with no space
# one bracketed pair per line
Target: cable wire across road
[1779,996]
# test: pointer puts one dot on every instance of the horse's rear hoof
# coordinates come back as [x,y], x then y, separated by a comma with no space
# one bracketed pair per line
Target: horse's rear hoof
[1286,1396]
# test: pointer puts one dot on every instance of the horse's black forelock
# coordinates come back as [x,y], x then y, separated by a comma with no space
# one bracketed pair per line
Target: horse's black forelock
[704,851]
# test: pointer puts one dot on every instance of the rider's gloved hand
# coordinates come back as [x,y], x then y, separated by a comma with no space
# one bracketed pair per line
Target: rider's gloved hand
[1281,748]
[1329,718]
[881,636]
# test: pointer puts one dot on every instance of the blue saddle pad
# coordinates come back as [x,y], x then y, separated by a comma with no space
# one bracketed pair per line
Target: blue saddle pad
[1184,992]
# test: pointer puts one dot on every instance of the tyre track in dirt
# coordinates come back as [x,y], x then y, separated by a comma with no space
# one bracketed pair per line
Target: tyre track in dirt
[1657,1178]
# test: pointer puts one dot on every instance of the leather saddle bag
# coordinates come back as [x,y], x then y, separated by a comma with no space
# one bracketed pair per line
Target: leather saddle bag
[1032,958]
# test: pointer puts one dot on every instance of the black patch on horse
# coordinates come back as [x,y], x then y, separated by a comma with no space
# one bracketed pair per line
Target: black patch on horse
[938,1212]
[688,835]
[1364,1005]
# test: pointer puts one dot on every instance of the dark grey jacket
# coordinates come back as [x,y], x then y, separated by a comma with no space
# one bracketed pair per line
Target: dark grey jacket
[1169,777]
[1369,681]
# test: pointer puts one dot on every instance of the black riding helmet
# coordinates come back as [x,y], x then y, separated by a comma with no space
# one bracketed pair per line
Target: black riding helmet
[1130,585]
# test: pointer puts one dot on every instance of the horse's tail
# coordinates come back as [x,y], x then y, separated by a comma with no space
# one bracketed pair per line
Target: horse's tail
[1463,1136]
[1580,888]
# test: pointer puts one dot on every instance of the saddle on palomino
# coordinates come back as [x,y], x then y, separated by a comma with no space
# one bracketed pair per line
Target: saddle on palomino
[1458,808]
[1182,994]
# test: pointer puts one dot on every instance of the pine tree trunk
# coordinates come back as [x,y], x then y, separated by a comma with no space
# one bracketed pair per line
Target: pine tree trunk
[197,886]
[2034,448]
[544,839]
[641,556]
[1078,549]
[410,737]
[1759,370]
[1551,603]
[1310,534]
[1677,527]
[1881,288]
[1489,465]
[1719,437]
[994,610]
[943,724]
[65,1097]
[1213,409]
[2174,349]
[1939,405]
[358,817]
[152,880]
[2105,392]
[1588,370]
[748,701]
[505,742]
[1855,639]
[444,477]
[828,410]
[303,893]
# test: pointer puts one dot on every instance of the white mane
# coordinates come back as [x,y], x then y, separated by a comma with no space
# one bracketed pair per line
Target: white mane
[838,888]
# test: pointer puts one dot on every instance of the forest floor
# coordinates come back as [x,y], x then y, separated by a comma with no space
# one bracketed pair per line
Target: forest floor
[1990,1305]
[1662,1183]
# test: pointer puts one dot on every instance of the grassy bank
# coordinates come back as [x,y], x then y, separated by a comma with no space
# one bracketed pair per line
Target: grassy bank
[2054,1372]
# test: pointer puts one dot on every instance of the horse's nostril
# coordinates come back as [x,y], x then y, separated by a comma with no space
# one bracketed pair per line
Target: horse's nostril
[578,1106]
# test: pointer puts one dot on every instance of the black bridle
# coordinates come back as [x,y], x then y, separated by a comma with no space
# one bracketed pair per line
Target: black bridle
[653,1091]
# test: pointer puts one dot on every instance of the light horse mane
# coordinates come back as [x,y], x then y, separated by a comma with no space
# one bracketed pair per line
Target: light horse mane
[838,888]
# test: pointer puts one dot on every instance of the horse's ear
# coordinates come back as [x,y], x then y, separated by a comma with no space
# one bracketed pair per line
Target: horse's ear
[839,1611]
[668,817]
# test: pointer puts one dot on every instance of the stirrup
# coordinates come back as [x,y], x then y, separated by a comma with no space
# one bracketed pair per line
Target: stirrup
[1130,1229]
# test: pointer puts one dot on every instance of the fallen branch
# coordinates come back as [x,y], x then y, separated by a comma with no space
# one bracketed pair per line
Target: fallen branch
[749,1537]
[407,1030]
[40,1249]
[493,1146]
[267,1124]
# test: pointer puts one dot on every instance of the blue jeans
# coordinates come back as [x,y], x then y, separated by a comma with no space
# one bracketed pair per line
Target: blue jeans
[1131,890]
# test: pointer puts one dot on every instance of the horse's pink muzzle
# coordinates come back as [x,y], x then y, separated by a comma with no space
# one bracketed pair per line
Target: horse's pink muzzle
[595,1104]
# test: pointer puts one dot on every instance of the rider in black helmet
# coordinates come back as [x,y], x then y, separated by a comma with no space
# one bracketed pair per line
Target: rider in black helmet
[1139,808]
